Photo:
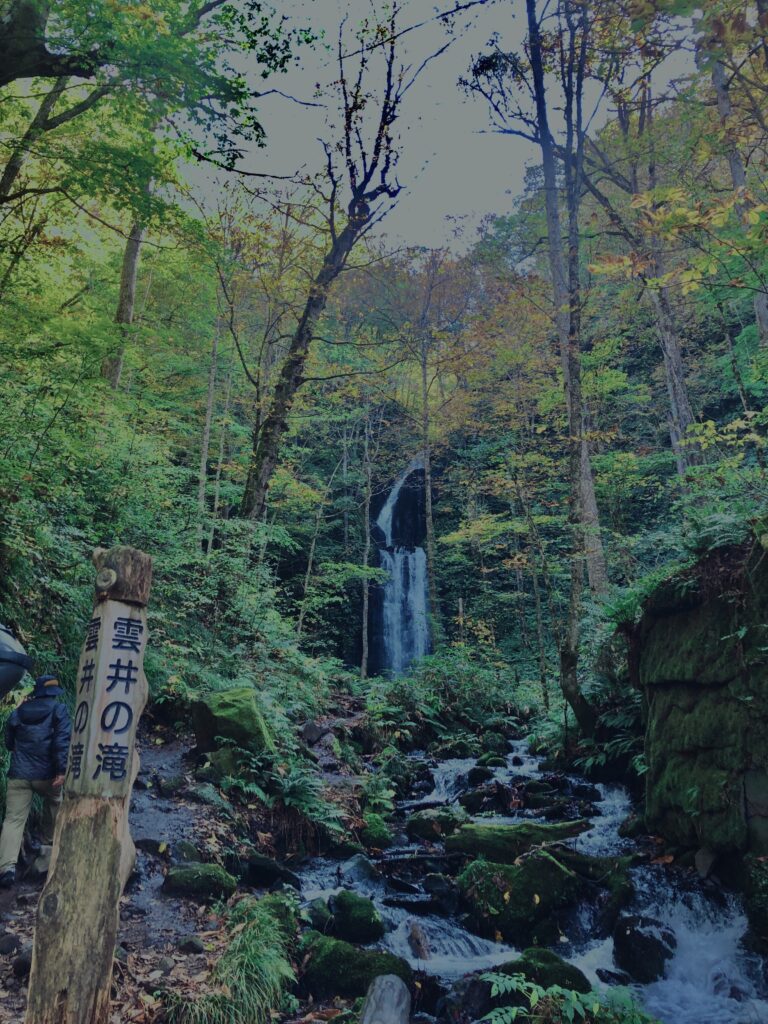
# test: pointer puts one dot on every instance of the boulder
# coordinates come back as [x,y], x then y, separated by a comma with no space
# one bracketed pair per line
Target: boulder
[504,843]
[232,715]
[184,852]
[203,881]
[494,743]
[206,793]
[320,916]
[642,946]
[313,732]
[545,968]
[516,900]
[493,761]
[355,918]
[262,872]
[191,944]
[479,774]
[359,869]
[375,832]
[336,968]
[435,822]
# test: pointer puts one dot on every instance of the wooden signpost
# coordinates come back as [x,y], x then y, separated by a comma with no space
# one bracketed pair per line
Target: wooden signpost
[93,854]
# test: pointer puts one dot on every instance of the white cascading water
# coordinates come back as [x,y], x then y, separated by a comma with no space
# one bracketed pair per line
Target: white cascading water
[405,628]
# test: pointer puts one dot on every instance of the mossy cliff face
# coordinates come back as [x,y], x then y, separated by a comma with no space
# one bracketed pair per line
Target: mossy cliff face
[701,657]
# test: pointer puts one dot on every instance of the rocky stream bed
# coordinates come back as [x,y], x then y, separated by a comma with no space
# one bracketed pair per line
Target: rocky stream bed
[490,863]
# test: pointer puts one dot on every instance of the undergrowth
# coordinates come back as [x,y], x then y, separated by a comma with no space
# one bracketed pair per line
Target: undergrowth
[555,1005]
[250,979]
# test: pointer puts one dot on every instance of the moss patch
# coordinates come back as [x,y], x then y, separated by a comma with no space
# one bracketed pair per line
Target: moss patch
[206,881]
[545,968]
[333,967]
[355,918]
[505,843]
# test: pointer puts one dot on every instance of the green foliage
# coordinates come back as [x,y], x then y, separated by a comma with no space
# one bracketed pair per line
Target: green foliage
[556,1005]
[253,974]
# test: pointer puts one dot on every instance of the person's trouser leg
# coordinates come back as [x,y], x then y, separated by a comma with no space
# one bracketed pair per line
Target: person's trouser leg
[52,802]
[17,803]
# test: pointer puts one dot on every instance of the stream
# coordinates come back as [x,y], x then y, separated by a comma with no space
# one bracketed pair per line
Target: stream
[711,978]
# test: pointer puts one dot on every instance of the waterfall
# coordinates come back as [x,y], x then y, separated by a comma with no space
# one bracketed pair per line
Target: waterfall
[404,617]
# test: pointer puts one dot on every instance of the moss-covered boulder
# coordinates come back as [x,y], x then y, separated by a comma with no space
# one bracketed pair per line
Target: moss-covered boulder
[492,761]
[515,900]
[504,843]
[375,832]
[201,881]
[233,715]
[494,743]
[336,968]
[355,918]
[435,822]
[463,745]
[545,968]
[702,660]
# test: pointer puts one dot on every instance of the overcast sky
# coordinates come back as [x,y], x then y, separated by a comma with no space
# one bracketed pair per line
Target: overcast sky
[451,165]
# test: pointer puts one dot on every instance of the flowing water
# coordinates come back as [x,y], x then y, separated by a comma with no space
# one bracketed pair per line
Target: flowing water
[711,978]
[405,629]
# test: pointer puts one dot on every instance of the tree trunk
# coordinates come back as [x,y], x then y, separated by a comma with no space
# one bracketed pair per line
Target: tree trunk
[112,366]
[78,912]
[686,452]
[206,439]
[267,438]
[388,1001]
[37,127]
[739,181]
[568,317]
[368,472]
[219,464]
[540,637]
[588,511]
[435,629]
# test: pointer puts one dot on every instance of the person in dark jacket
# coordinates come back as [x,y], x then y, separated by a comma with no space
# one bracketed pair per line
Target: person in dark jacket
[37,735]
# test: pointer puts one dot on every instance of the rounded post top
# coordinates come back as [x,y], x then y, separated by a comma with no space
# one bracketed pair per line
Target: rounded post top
[122,574]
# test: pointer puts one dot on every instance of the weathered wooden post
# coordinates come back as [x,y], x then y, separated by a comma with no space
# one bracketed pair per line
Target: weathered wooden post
[78,914]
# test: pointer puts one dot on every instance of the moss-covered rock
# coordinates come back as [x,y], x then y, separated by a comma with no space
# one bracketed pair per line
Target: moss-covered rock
[504,843]
[494,743]
[435,822]
[514,900]
[335,968]
[375,831]
[233,715]
[355,918]
[702,660]
[492,761]
[204,881]
[545,968]
[461,746]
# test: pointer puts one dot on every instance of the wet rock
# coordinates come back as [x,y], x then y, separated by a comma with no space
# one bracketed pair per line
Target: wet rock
[704,861]
[515,900]
[375,832]
[22,964]
[494,761]
[355,918]
[417,941]
[165,965]
[402,885]
[479,774]
[234,715]
[642,946]
[359,869]
[420,903]
[444,892]
[9,943]
[517,761]
[184,852]
[504,843]
[191,944]
[335,968]
[585,791]
[262,872]
[206,793]
[170,786]
[469,998]
[434,823]
[150,844]
[494,743]
[613,977]
[204,881]
[320,916]
[546,968]
[313,732]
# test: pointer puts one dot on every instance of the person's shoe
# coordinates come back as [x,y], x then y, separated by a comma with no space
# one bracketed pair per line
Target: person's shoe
[8,879]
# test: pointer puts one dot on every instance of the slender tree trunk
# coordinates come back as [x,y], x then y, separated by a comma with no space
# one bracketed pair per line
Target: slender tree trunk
[588,510]
[112,366]
[267,438]
[568,318]
[206,439]
[739,181]
[434,609]
[367,496]
[540,637]
[219,464]
[313,548]
[37,127]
